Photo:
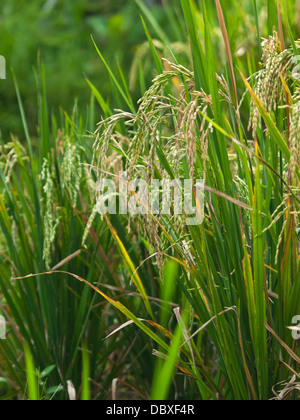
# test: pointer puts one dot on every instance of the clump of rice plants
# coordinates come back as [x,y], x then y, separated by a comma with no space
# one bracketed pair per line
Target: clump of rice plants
[239,270]
[137,301]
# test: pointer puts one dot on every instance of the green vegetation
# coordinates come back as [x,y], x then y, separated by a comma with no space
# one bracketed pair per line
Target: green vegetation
[148,306]
[59,32]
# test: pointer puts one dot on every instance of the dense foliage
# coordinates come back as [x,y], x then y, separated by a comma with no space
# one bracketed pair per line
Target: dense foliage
[148,306]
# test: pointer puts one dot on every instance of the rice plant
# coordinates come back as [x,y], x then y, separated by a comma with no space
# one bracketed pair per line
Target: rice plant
[45,206]
[239,271]
[147,305]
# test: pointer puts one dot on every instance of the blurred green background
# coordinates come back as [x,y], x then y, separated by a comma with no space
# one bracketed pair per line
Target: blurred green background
[60,31]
